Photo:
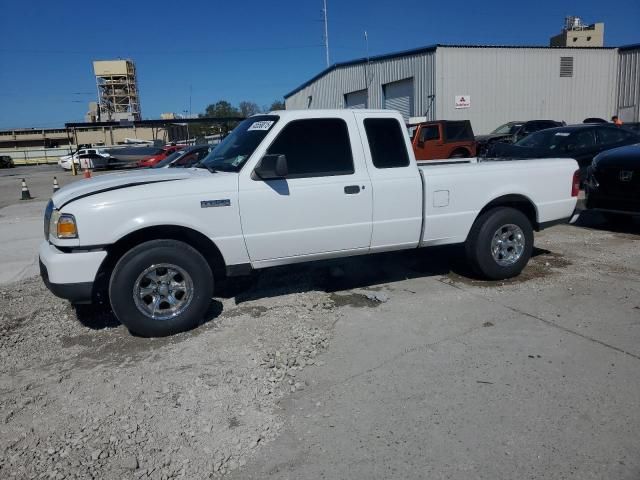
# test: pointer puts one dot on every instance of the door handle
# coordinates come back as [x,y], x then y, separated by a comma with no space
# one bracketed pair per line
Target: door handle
[351,189]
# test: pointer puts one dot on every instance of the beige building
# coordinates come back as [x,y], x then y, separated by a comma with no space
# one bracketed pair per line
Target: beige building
[577,34]
[89,134]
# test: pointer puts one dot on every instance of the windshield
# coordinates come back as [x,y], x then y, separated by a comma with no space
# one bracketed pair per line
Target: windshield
[544,139]
[169,159]
[507,128]
[232,153]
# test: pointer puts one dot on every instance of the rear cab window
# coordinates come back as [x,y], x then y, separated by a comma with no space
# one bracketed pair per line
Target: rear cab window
[386,143]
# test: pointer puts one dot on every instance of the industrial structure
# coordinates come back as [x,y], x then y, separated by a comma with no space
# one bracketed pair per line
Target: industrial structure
[575,33]
[118,97]
[489,85]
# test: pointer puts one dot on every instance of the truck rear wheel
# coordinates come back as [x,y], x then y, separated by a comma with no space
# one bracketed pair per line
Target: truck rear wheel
[500,243]
[161,287]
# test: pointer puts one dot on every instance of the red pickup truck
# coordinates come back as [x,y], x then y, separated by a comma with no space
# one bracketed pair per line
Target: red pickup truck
[442,139]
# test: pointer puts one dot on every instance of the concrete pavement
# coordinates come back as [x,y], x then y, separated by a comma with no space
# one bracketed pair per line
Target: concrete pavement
[458,379]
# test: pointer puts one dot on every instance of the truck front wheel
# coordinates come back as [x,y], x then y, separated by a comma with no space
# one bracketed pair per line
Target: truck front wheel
[161,287]
[500,243]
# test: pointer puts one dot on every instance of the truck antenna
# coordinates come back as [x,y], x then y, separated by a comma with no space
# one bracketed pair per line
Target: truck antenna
[326,30]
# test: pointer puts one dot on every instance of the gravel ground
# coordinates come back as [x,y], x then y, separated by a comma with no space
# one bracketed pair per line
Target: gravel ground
[82,398]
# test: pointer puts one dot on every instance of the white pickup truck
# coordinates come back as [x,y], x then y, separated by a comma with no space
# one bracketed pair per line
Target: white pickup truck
[287,187]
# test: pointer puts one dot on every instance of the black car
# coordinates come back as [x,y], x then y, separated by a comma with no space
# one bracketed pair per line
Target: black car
[581,142]
[512,132]
[613,182]
[186,157]
[6,161]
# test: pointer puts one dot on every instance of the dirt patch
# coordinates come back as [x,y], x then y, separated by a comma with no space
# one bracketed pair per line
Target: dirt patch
[543,264]
[357,300]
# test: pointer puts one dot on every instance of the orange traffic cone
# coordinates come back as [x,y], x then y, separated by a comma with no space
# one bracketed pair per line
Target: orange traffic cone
[26,195]
[56,187]
[87,173]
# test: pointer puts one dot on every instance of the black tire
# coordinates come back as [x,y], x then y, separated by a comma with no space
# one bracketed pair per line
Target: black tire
[462,153]
[479,243]
[158,252]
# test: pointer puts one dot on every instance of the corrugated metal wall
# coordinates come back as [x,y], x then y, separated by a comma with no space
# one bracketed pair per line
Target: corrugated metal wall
[524,84]
[329,91]
[629,85]
[504,84]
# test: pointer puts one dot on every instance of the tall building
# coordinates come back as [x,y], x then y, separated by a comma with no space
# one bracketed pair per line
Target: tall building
[577,34]
[117,84]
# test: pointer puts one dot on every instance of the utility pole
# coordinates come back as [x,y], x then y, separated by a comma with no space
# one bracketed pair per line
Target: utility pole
[326,30]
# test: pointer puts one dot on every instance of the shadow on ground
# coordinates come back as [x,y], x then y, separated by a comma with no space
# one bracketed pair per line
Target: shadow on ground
[360,272]
[597,221]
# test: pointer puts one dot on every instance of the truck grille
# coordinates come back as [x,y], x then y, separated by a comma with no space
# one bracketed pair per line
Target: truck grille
[47,218]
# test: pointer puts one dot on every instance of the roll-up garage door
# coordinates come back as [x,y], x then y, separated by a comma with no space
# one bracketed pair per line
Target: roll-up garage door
[356,99]
[399,96]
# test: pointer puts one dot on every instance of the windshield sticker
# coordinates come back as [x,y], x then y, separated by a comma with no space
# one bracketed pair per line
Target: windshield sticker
[263,125]
[562,134]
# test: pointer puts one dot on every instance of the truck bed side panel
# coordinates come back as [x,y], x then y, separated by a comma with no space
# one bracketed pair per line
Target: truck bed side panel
[455,194]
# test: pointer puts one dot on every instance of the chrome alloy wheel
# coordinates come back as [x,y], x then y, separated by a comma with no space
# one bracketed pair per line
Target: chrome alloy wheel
[507,245]
[163,291]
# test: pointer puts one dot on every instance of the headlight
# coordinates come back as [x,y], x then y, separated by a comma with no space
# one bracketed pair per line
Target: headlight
[63,225]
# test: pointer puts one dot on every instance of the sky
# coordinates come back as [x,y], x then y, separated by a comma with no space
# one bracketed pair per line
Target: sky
[244,50]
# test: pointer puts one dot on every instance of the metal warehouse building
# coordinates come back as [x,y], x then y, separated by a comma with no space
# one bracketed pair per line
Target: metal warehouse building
[488,85]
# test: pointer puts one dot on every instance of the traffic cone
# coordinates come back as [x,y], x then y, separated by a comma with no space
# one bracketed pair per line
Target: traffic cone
[26,195]
[56,187]
[87,173]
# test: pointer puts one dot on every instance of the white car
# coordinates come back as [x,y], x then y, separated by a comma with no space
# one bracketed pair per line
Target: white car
[65,161]
[287,187]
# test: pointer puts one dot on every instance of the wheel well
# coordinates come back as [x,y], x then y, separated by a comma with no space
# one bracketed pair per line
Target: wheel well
[462,150]
[519,202]
[197,240]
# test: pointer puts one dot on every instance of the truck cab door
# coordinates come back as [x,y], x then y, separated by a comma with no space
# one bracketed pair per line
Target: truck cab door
[396,181]
[321,207]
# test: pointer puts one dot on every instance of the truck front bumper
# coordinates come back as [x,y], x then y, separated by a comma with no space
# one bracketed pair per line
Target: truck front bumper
[70,275]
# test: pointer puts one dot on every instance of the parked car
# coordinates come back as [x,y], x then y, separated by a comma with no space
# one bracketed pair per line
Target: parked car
[513,132]
[613,182]
[580,142]
[186,157]
[65,161]
[6,161]
[284,188]
[633,126]
[594,120]
[161,155]
[442,139]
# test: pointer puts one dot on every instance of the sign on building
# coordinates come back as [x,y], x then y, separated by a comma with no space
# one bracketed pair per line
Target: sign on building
[463,101]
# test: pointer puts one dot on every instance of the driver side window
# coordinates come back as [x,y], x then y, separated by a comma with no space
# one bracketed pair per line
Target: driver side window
[318,147]
[582,140]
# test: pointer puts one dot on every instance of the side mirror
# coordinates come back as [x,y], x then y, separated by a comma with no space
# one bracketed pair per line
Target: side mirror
[272,167]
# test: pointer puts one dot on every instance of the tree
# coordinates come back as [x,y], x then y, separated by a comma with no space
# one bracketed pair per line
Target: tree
[277,105]
[221,108]
[248,108]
